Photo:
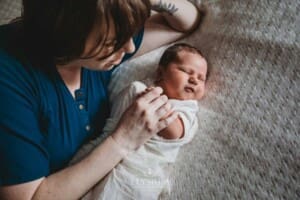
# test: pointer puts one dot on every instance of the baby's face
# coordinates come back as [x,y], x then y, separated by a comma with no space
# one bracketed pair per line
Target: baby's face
[185,78]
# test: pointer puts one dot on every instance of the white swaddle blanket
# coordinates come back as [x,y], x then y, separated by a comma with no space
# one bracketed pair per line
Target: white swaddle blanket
[142,175]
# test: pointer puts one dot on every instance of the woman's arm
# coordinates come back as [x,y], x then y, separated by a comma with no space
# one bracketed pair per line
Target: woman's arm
[171,20]
[72,182]
[180,15]
[139,123]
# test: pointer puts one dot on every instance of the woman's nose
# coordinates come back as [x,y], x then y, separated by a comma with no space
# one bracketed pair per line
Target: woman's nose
[129,46]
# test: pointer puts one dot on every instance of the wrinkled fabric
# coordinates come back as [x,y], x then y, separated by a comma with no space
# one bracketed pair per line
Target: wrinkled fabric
[142,174]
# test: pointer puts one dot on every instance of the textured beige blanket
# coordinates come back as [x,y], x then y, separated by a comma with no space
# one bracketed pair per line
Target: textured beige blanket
[248,143]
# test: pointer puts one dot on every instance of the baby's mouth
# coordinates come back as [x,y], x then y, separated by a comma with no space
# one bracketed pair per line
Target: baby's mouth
[189,89]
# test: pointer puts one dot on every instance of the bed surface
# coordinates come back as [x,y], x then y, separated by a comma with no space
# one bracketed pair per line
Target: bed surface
[248,142]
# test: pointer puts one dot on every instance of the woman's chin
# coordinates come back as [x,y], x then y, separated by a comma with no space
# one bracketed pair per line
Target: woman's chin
[108,67]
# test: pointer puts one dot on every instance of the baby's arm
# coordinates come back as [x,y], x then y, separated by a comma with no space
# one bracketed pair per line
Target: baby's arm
[187,111]
[174,131]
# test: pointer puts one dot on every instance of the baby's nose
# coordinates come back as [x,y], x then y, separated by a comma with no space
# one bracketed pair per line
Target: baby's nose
[193,80]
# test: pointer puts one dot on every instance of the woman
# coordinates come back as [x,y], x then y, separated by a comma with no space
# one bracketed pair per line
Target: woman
[56,61]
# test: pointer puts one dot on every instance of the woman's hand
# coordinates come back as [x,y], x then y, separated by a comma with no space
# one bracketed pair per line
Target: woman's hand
[144,118]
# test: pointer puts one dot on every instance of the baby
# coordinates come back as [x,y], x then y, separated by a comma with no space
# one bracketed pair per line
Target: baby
[182,74]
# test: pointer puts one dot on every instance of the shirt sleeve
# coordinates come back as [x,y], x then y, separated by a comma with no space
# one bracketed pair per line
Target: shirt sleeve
[187,111]
[23,155]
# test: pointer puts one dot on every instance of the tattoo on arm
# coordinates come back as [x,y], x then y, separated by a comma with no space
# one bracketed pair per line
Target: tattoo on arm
[169,8]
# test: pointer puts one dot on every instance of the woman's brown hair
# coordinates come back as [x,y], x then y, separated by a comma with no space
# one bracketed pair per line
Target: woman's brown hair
[59,28]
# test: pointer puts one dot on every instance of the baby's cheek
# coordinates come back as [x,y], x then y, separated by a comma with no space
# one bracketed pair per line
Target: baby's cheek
[200,93]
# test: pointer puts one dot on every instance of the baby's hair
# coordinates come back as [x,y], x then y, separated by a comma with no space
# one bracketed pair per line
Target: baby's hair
[171,54]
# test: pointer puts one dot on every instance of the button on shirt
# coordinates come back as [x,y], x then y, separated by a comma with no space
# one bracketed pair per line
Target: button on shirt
[41,124]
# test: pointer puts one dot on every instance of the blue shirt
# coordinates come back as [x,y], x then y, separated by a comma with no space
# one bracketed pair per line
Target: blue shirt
[41,124]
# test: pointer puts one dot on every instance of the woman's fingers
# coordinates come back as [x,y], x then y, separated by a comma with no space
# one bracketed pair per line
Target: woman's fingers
[167,121]
[151,94]
[150,113]
[164,110]
[159,102]
[159,106]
